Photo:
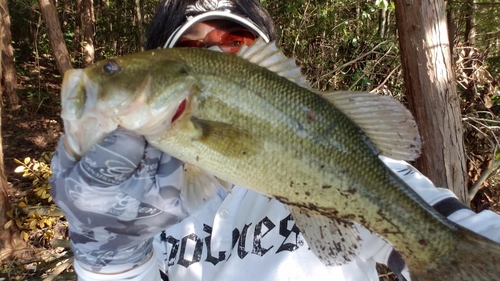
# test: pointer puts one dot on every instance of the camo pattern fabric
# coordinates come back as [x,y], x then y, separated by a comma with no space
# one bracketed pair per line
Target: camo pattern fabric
[116,198]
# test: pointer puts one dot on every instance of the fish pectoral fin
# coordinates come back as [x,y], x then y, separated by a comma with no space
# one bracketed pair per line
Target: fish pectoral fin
[387,122]
[268,55]
[225,184]
[334,242]
[199,187]
[227,139]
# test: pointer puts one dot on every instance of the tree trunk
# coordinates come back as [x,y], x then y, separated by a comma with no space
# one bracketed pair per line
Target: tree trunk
[9,238]
[382,20]
[9,79]
[470,23]
[140,30]
[78,27]
[87,21]
[431,92]
[56,38]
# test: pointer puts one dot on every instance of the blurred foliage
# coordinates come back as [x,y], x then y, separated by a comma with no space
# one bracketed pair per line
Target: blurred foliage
[340,44]
[116,28]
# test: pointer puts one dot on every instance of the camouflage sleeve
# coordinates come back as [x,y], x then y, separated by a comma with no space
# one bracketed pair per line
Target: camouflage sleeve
[116,198]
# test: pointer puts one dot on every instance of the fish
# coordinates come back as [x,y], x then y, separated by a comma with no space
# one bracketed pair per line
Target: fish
[253,120]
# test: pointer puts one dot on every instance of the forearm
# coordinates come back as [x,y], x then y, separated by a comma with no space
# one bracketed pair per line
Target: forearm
[116,198]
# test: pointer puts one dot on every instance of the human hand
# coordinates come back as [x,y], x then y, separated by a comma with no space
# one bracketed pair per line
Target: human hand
[116,198]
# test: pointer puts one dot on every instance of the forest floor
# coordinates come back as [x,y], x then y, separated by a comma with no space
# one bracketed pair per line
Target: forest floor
[33,129]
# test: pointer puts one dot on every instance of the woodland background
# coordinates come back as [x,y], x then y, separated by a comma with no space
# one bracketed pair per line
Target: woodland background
[452,47]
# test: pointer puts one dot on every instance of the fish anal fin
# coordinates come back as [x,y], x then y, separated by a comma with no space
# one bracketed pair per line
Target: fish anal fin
[387,122]
[334,242]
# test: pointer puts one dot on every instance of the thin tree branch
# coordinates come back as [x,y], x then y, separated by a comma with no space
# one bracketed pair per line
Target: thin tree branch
[485,174]
[353,61]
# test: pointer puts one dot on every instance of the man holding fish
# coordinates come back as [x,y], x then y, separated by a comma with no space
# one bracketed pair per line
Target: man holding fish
[145,170]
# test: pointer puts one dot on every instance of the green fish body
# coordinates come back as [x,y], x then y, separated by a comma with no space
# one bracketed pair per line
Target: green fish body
[251,123]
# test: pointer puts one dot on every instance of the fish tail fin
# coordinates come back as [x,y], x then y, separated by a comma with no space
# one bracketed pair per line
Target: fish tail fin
[475,258]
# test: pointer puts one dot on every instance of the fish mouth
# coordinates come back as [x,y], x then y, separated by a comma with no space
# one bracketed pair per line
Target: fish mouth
[84,126]
[88,119]
[180,109]
[71,94]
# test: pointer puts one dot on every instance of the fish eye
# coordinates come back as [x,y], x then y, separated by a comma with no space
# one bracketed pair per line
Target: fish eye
[110,67]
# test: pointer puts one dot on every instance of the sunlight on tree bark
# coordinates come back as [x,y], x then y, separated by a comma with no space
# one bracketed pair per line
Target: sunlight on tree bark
[9,76]
[55,35]
[431,91]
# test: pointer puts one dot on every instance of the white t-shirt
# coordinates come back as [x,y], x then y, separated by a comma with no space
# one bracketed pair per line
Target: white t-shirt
[246,236]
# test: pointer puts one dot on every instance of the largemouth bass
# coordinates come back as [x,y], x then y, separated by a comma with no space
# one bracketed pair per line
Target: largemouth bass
[252,120]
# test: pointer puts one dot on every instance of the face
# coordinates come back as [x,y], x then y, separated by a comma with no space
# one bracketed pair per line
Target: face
[225,34]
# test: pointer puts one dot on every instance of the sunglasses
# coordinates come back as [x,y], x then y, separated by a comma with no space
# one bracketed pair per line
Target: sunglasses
[230,42]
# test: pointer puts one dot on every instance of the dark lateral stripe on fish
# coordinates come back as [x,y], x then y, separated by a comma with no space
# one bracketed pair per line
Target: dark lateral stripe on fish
[448,206]
[396,264]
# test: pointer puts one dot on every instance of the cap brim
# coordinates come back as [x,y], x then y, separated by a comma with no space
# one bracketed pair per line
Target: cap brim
[213,15]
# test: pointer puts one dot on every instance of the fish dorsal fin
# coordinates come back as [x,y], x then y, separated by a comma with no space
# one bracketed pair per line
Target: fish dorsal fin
[199,187]
[268,55]
[388,123]
[334,242]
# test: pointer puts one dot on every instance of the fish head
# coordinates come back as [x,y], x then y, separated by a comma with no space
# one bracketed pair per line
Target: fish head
[140,92]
